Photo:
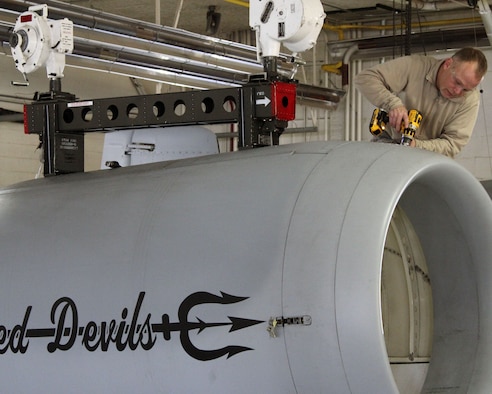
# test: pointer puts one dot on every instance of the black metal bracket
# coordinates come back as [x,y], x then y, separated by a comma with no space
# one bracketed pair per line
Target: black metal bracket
[261,109]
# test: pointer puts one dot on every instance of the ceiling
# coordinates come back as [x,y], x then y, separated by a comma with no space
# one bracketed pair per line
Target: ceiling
[191,17]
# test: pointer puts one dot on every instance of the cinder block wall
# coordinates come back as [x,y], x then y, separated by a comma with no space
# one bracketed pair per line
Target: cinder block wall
[20,158]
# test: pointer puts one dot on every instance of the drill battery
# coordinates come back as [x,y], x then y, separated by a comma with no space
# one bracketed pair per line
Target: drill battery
[378,121]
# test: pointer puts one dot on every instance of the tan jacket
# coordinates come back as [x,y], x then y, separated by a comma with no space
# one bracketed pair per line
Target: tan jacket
[447,124]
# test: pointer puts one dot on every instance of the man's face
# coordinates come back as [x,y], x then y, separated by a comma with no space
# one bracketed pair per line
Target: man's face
[456,78]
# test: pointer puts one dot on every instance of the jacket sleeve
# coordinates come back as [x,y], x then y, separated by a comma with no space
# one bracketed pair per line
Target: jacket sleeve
[381,84]
[457,131]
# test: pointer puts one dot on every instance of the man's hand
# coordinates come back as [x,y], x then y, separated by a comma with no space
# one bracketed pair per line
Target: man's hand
[397,116]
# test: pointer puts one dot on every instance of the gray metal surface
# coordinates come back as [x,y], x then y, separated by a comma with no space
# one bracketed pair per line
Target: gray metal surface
[288,231]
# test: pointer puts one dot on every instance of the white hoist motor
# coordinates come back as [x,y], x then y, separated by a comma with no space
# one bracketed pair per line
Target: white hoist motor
[37,41]
[294,23]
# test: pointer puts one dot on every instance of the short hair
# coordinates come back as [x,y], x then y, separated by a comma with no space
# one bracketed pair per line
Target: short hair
[469,54]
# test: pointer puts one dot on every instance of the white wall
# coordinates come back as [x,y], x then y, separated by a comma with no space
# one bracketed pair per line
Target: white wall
[20,158]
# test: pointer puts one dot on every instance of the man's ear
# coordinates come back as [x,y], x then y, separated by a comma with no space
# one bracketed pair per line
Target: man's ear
[448,62]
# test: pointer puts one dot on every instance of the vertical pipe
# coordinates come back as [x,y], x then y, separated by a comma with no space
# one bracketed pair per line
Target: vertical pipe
[178,13]
[314,82]
[353,72]
[346,86]
[486,17]
[158,12]
[326,80]
[358,124]
[347,114]
[358,101]
[408,35]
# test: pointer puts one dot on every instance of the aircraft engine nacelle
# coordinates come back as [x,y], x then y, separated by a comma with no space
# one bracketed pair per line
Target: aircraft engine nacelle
[321,267]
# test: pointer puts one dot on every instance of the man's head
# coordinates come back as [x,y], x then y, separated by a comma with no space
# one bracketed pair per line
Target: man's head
[461,73]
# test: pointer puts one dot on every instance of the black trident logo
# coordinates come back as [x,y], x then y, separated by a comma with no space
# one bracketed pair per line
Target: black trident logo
[184,326]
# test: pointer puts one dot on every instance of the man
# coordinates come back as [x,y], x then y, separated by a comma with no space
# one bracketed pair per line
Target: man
[444,91]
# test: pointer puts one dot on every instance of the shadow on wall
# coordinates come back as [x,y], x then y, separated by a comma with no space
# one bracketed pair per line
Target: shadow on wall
[488,186]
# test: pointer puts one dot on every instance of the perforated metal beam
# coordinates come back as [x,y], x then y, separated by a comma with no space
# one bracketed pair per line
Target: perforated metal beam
[261,110]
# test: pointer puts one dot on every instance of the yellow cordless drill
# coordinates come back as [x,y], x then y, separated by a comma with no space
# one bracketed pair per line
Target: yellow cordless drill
[378,121]
[380,118]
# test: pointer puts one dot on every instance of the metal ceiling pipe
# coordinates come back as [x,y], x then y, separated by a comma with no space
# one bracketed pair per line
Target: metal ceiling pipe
[118,43]
[142,73]
[139,52]
[101,56]
[317,96]
[126,42]
[144,58]
[164,50]
[437,5]
[95,49]
[377,47]
[149,31]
